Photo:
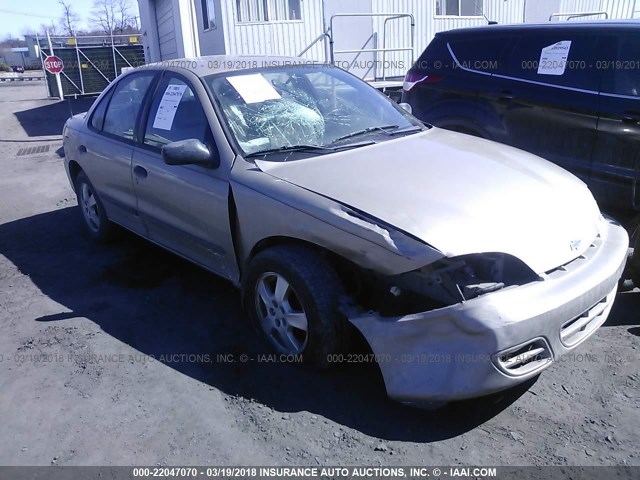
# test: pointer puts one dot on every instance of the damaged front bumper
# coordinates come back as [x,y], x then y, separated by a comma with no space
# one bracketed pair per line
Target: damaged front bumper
[501,339]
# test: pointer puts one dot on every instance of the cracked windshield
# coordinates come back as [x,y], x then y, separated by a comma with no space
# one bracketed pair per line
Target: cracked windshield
[299,108]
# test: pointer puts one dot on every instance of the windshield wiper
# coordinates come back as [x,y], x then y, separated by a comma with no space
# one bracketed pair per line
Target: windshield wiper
[307,148]
[383,128]
[289,148]
[412,128]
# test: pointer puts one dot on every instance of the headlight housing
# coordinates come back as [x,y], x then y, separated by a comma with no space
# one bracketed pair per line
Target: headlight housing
[453,280]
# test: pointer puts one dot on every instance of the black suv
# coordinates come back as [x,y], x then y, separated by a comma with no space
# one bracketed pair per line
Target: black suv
[568,92]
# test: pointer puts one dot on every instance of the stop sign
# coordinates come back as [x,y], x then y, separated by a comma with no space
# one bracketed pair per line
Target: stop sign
[53,64]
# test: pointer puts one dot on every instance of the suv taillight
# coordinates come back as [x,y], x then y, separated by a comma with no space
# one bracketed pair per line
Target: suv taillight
[416,78]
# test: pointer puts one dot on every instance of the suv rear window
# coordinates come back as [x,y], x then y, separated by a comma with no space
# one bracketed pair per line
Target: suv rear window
[436,52]
[483,54]
[560,58]
[621,72]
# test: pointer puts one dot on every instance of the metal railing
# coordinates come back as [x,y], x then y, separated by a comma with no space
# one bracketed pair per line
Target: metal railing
[384,39]
[323,36]
[329,40]
[384,50]
[572,15]
[91,61]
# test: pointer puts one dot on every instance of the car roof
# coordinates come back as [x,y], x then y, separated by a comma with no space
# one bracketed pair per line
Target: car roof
[549,26]
[212,64]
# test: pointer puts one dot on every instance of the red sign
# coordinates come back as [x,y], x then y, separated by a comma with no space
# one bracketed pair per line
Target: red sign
[53,64]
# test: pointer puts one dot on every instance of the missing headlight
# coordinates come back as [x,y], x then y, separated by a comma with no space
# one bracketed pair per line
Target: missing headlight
[453,280]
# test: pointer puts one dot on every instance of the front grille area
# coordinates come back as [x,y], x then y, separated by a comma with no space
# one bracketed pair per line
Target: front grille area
[577,329]
[523,359]
[576,262]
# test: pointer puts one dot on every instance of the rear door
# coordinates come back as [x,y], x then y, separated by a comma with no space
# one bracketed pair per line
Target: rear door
[616,168]
[547,97]
[105,152]
[185,208]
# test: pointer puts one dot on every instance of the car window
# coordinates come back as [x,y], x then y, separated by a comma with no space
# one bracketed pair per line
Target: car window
[483,54]
[127,98]
[176,114]
[280,107]
[564,59]
[436,51]
[623,71]
[97,118]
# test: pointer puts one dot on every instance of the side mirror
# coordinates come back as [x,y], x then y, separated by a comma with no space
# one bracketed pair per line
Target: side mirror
[406,107]
[189,152]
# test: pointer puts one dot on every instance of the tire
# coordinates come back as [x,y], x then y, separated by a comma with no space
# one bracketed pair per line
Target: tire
[94,217]
[300,316]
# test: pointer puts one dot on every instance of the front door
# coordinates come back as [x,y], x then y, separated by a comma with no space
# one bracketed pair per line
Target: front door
[185,208]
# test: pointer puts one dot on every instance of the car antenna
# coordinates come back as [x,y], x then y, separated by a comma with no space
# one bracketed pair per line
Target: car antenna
[490,22]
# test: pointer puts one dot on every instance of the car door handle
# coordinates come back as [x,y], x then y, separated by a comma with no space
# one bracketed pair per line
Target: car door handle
[506,96]
[140,172]
[82,149]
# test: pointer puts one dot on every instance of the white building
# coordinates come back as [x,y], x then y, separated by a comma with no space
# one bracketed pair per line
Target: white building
[187,28]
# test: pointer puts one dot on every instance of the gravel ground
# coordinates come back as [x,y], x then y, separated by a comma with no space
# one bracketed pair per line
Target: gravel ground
[113,356]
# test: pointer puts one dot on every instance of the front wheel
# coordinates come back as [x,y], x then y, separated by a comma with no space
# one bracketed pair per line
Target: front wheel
[292,296]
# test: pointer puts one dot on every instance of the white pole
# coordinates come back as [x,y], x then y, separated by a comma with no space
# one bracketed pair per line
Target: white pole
[46,84]
[75,39]
[58,81]
[113,52]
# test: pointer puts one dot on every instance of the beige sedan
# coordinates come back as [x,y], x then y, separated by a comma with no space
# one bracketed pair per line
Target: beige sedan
[468,266]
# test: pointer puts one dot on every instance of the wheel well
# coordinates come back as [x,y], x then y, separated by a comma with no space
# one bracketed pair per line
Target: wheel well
[344,268]
[270,242]
[347,272]
[74,169]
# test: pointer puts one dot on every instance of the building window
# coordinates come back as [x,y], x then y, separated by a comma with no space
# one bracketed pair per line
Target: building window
[208,14]
[250,11]
[459,8]
[286,9]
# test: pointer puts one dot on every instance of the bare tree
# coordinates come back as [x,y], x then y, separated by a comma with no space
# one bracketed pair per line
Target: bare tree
[9,41]
[112,16]
[124,15]
[69,19]
[51,28]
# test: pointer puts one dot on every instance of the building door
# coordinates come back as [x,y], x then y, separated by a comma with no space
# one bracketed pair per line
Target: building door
[166,29]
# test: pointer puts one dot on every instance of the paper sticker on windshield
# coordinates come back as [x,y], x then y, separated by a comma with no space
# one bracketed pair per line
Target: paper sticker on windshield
[254,88]
[168,107]
[553,59]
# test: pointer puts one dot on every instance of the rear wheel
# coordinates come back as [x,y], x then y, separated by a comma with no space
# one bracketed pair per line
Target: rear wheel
[292,296]
[93,214]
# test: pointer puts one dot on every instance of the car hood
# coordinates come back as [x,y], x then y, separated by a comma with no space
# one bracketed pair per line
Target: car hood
[459,194]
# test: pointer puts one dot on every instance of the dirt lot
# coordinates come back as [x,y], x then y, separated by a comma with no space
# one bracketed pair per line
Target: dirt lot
[109,356]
